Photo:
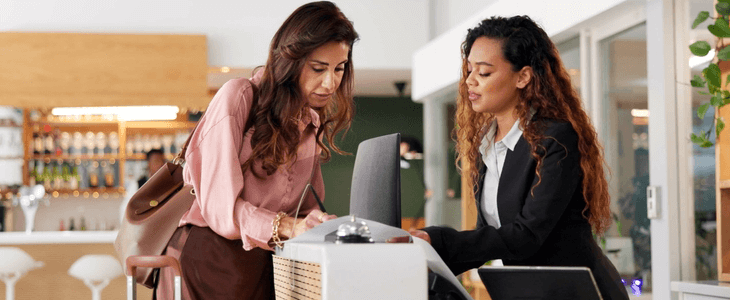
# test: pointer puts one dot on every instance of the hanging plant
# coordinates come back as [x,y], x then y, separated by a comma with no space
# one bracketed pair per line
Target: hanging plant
[711,75]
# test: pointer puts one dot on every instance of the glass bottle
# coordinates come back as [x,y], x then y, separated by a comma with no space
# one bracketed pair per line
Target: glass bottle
[47,176]
[37,141]
[65,143]
[32,174]
[108,171]
[93,172]
[66,175]
[57,175]
[74,179]
[48,144]
[71,225]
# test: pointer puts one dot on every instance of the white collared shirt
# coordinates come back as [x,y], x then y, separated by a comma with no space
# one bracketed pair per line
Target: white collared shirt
[494,157]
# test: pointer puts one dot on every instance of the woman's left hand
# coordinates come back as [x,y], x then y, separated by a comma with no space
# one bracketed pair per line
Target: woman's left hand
[415,233]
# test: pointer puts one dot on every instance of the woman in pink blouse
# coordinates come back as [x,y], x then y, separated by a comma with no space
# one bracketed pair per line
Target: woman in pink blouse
[254,152]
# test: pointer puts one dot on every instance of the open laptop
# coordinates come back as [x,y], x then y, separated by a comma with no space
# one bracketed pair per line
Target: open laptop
[520,282]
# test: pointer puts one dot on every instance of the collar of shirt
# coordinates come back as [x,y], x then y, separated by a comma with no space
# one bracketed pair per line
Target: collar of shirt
[313,118]
[509,140]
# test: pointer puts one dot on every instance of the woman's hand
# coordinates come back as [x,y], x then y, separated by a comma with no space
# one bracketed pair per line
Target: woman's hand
[415,233]
[313,219]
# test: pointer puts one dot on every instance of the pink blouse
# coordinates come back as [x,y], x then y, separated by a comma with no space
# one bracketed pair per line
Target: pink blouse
[236,204]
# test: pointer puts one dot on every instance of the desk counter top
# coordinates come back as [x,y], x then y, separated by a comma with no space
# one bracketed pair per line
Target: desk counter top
[57,237]
[713,289]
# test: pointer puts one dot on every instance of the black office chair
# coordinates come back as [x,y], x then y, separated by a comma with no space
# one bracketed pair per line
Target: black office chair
[375,191]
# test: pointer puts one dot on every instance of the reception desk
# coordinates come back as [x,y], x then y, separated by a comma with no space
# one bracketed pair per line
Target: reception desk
[702,290]
[59,250]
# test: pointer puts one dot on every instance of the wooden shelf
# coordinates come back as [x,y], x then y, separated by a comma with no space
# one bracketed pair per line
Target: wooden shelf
[11,157]
[74,157]
[159,125]
[142,156]
[86,193]
[77,122]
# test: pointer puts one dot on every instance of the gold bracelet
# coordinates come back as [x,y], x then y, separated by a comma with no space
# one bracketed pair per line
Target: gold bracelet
[275,234]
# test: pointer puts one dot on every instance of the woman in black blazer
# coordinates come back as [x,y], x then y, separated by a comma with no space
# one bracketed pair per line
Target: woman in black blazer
[546,193]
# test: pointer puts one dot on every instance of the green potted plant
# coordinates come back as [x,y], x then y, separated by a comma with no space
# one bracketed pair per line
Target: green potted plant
[711,75]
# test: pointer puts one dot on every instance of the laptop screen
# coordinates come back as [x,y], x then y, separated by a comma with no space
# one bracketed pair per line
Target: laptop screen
[519,282]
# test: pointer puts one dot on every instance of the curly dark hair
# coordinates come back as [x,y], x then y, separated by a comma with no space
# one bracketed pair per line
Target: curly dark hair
[549,95]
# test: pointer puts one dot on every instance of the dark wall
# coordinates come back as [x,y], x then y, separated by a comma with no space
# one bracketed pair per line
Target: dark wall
[375,117]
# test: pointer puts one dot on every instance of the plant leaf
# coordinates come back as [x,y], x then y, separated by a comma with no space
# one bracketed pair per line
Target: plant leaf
[701,17]
[699,82]
[716,101]
[712,74]
[725,1]
[722,8]
[703,93]
[706,144]
[725,94]
[696,139]
[720,28]
[724,53]
[713,89]
[719,126]
[700,48]
[702,110]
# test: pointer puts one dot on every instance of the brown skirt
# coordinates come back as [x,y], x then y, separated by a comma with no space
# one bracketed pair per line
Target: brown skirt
[214,267]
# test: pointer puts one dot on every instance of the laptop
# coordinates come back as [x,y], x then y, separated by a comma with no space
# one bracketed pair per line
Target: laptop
[522,282]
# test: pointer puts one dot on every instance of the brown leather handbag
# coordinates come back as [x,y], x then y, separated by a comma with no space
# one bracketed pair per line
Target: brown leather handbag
[153,214]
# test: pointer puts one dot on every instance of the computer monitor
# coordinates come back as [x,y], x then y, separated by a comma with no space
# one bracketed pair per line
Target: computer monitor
[520,282]
[375,190]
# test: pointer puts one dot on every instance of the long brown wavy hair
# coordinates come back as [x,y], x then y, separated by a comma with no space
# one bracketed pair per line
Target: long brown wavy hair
[549,95]
[278,101]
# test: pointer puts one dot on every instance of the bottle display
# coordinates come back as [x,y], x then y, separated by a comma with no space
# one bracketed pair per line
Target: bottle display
[93,172]
[57,177]
[108,171]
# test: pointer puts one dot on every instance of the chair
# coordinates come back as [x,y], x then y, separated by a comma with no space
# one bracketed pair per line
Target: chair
[96,271]
[14,263]
[375,191]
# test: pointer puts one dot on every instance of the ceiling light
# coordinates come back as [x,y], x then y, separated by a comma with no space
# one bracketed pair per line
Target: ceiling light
[640,113]
[126,113]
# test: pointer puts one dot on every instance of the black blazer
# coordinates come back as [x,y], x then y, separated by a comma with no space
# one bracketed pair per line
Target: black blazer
[542,228]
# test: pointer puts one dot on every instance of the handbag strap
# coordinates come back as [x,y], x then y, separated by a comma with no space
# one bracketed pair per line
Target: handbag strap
[180,158]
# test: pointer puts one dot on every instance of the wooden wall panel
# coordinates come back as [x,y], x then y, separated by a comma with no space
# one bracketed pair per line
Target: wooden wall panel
[76,69]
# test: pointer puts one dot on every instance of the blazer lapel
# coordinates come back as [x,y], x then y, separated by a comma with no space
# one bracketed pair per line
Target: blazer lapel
[511,182]
[478,194]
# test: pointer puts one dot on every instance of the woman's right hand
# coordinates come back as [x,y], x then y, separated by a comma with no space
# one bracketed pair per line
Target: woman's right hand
[314,218]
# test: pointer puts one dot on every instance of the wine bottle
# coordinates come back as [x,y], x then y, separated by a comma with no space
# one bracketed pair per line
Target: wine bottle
[66,175]
[74,178]
[47,176]
[32,175]
[37,141]
[93,172]
[57,176]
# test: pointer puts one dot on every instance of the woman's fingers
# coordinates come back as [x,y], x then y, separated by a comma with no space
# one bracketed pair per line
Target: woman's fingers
[406,239]
[399,239]
[421,235]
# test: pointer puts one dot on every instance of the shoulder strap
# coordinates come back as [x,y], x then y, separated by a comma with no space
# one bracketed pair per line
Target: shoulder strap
[180,158]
